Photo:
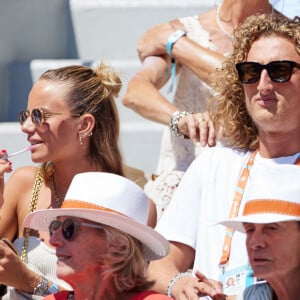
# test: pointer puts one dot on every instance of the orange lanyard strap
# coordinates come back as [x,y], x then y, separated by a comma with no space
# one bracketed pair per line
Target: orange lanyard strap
[238,196]
[237,199]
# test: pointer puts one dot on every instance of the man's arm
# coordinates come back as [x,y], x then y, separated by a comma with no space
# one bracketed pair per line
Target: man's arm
[179,260]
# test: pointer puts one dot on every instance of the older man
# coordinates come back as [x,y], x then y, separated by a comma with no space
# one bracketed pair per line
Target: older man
[271,221]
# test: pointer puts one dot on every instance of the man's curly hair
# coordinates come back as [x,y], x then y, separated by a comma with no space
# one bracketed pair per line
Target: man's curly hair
[227,106]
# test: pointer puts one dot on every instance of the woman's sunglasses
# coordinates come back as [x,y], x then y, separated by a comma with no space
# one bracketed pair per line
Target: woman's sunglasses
[38,116]
[69,227]
[278,71]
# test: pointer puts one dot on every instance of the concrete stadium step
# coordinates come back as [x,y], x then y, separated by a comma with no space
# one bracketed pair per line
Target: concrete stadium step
[90,30]
[110,29]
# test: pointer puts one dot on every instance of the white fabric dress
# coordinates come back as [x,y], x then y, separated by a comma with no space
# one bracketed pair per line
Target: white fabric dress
[176,154]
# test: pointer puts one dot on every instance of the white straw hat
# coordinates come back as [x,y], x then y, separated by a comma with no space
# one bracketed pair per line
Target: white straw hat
[274,196]
[108,199]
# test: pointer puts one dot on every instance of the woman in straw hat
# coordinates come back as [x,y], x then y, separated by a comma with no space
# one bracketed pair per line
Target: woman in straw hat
[271,221]
[102,242]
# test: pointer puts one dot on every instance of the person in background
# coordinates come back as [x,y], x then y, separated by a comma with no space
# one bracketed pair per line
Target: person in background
[72,125]
[271,221]
[195,47]
[102,241]
[256,102]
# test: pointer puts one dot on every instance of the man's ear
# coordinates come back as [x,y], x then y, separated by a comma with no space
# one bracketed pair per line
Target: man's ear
[87,124]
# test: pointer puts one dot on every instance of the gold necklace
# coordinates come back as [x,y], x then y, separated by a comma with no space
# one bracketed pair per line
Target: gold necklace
[230,36]
[33,203]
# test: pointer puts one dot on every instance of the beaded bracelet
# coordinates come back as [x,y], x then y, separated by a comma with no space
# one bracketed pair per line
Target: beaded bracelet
[174,280]
[176,116]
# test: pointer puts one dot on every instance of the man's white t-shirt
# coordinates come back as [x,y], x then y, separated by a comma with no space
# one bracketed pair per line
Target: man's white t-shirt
[203,199]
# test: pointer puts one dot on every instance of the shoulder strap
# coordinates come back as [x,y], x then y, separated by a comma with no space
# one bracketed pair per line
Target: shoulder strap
[33,203]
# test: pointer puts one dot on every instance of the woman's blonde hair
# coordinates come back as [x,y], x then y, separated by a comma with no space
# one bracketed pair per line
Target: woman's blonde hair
[93,91]
[227,106]
[125,267]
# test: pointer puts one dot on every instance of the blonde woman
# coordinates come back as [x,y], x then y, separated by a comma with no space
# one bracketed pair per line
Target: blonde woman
[102,242]
[72,126]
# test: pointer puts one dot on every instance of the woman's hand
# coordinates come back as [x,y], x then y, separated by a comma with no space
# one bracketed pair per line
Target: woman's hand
[5,167]
[199,128]
[5,164]
[153,41]
[194,287]
[13,272]
[9,261]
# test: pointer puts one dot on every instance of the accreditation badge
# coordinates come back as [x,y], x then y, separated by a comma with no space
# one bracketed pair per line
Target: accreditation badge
[235,281]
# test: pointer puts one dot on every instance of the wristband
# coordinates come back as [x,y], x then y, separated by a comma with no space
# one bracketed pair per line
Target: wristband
[177,115]
[52,289]
[173,38]
[169,45]
[174,280]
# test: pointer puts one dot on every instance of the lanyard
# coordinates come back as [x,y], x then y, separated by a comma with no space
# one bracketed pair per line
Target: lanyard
[238,196]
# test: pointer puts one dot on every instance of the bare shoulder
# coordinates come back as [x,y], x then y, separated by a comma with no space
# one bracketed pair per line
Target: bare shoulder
[175,23]
[23,176]
[16,201]
[208,19]
[20,184]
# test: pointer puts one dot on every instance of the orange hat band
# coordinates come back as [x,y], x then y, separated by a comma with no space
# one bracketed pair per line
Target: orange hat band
[272,206]
[83,204]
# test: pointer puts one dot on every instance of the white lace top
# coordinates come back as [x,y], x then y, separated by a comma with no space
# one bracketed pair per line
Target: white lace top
[177,154]
[191,95]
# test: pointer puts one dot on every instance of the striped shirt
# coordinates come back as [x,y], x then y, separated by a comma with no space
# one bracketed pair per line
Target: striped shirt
[259,291]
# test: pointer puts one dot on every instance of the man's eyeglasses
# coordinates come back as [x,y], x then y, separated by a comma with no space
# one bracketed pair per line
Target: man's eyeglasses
[38,116]
[278,71]
[69,227]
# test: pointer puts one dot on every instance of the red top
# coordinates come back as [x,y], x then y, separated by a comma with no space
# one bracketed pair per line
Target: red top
[147,295]
[150,295]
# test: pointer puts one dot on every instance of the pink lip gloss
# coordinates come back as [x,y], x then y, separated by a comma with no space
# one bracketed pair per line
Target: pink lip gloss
[7,155]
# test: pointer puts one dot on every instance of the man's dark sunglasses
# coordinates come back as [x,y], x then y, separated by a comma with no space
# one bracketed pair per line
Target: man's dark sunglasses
[278,71]
[69,227]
